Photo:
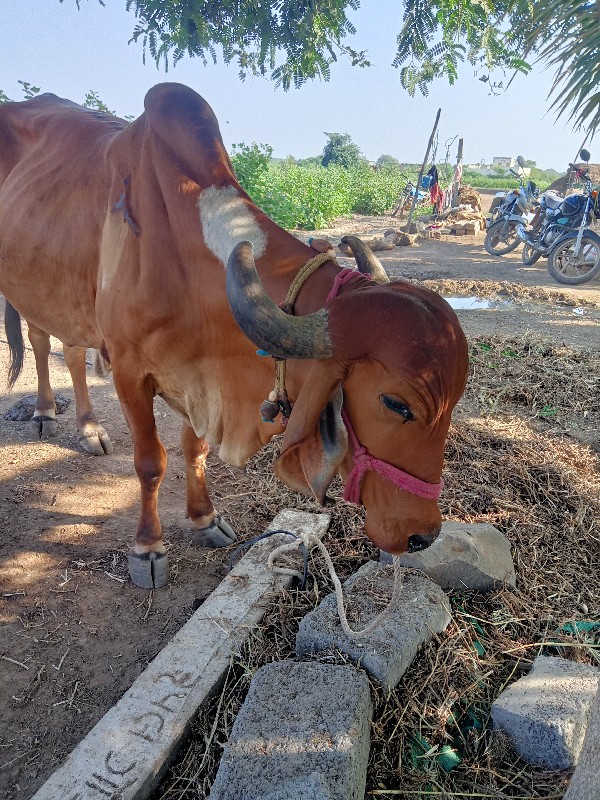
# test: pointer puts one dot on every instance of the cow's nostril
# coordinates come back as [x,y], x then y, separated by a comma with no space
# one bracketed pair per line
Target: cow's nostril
[420,542]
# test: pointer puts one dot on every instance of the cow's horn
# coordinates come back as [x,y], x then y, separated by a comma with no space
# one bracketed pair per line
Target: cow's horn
[366,260]
[264,323]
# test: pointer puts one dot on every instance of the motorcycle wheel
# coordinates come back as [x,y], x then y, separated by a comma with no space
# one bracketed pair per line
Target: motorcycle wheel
[530,255]
[501,238]
[565,268]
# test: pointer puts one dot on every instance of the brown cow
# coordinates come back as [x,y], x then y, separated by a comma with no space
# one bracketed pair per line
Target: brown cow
[121,236]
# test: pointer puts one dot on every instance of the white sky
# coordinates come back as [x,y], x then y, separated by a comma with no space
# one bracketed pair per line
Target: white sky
[70,52]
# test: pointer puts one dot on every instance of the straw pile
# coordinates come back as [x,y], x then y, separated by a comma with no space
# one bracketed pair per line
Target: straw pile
[560,184]
[514,460]
[467,196]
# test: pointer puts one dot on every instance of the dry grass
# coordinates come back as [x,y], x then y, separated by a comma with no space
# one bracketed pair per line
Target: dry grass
[509,463]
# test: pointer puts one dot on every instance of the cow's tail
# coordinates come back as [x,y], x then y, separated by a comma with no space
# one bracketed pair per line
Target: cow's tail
[14,335]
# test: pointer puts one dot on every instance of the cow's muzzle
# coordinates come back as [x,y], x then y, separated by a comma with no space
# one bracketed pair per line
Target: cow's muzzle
[421,541]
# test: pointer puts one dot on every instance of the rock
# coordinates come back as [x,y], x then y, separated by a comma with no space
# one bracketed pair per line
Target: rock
[303,732]
[388,651]
[22,411]
[584,783]
[546,712]
[468,556]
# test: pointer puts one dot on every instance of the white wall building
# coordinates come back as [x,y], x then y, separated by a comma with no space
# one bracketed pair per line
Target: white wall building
[503,161]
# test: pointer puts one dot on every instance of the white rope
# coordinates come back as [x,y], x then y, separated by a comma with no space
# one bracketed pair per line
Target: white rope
[308,540]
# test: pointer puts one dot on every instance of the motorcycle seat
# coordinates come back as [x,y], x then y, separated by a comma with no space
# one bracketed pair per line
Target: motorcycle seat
[553,199]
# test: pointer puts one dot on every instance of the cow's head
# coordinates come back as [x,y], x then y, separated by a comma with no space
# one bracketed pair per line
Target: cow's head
[389,363]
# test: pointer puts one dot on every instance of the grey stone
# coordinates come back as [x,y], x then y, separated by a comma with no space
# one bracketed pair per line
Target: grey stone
[585,783]
[303,732]
[466,556]
[546,712]
[129,749]
[23,410]
[386,653]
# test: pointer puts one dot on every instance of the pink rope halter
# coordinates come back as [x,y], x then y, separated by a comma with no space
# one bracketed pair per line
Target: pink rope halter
[363,460]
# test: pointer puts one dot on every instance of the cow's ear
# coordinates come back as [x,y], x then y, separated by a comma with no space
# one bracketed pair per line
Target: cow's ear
[315,440]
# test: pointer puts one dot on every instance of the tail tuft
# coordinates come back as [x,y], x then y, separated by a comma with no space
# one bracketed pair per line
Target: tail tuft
[14,335]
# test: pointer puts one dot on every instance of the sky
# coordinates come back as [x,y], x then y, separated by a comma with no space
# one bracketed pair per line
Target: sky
[69,52]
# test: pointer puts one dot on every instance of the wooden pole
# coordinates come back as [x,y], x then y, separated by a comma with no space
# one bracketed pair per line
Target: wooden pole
[456,183]
[418,186]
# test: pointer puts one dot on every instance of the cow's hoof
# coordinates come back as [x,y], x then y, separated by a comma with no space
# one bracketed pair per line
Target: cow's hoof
[95,440]
[149,570]
[217,534]
[43,427]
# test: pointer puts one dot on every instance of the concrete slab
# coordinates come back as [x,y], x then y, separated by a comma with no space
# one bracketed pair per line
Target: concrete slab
[584,783]
[126,753]
[465,556]
[546,712]
[303,733]
[422,610]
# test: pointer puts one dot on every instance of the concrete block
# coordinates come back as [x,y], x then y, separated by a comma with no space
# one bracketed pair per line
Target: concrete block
[303,733]
[386,654]
[127,752]
[474,557]
[546,712]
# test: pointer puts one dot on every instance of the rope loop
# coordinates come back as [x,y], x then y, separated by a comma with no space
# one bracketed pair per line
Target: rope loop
[308,540]
[302,576]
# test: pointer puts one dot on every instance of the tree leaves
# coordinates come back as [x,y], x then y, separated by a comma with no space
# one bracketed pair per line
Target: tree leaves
[291,41]
[437,36]
[571,45]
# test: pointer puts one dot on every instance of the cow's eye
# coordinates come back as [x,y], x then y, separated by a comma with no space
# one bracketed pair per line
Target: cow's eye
[397,407]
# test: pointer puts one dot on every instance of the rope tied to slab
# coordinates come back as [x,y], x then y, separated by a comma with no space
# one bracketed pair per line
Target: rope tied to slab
[307,540]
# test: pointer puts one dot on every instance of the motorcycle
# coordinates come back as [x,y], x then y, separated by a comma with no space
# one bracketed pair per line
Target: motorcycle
[501,236]
[561,233]
[405,201]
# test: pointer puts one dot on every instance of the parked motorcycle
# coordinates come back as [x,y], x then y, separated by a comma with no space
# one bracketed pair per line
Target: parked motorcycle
[405,201]
[501,236]
[561,233]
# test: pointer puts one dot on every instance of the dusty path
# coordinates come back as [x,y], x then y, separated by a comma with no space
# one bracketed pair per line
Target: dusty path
[528,297]
[75,632]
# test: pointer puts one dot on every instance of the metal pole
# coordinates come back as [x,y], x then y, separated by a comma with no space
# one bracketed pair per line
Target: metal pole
[429,146]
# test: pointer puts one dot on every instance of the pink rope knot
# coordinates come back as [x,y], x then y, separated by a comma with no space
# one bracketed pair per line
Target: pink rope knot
[341,279]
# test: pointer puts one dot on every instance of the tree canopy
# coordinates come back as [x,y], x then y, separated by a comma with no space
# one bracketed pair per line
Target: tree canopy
[292,41]
[341,150]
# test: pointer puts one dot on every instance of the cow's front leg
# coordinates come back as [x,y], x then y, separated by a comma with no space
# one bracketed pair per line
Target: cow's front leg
[43,422]
[210,530]
[92,436]
[148,563]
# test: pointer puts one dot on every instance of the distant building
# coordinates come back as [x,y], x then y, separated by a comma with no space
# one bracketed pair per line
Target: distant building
[498,163]
[503,161]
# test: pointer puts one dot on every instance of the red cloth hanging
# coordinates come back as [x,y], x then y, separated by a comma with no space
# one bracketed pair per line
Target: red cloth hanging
[437,197]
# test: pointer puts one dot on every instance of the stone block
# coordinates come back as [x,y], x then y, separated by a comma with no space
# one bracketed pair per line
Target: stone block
[546,713]
[303,732]
[465,556]
[386,653]
[128,751]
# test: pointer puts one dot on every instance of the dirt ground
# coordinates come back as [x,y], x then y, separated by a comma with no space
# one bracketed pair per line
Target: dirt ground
[75,632]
